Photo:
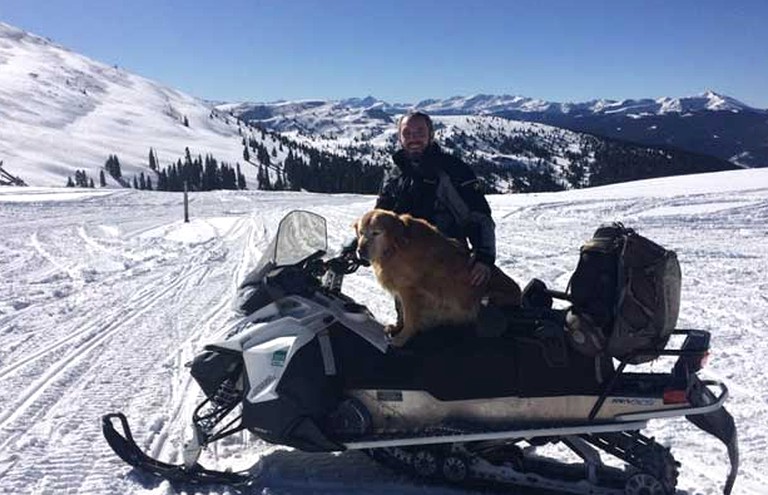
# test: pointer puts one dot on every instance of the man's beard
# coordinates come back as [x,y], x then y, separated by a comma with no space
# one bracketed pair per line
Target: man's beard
[414,154]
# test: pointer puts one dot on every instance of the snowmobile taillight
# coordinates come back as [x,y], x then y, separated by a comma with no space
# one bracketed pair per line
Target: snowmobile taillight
[704,360]
[695,353]
[675,396]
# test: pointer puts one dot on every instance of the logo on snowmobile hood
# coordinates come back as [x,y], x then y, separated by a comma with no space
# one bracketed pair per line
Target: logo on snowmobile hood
[278,357]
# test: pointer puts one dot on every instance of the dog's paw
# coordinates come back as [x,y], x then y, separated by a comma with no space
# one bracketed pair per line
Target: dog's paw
[399,340]
[392,330]
[396,336]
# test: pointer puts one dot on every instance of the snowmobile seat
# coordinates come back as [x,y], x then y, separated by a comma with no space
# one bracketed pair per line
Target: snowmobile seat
[531,358]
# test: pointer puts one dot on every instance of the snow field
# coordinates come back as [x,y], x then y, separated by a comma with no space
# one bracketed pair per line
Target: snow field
[105,297]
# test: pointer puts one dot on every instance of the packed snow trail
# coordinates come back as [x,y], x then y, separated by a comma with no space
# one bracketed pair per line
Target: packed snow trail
[105,297]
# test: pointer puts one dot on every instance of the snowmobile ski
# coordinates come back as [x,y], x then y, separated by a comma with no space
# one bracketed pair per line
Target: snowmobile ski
[125,447]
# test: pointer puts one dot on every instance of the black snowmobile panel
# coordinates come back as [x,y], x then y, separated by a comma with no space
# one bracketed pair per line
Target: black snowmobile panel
[269,284]
[453,363]
[212,366]
[307,396]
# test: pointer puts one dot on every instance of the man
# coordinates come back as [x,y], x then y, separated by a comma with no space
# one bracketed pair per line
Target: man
[431,184]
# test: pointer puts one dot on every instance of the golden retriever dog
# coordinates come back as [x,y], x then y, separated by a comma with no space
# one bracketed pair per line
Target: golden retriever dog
[427,272]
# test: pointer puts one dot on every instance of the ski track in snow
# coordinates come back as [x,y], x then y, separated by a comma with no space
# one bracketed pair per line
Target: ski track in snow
[105,298]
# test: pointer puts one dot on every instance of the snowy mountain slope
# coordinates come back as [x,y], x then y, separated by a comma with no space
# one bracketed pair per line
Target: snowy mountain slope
[485,104]
[105,294]
[709,123]
[60,112]
[507,155]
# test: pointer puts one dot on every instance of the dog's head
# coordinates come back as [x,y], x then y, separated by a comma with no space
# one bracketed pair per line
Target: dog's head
[379,234]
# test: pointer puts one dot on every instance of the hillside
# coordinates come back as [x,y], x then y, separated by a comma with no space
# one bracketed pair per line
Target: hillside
[508,155]
[61,112]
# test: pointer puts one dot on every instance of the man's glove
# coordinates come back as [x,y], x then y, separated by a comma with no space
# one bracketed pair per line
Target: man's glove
[349,250]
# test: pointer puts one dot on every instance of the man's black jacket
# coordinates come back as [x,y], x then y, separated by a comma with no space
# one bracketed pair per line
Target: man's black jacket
[415,187]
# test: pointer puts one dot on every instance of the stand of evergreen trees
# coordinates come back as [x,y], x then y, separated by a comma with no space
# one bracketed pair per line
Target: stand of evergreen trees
[200,175]
[81,180]
[142,182]
[327,173]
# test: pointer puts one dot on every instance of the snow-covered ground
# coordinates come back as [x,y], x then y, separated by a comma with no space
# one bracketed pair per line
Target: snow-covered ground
[105,295]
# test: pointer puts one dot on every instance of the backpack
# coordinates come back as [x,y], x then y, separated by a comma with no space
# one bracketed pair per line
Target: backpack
[625,294]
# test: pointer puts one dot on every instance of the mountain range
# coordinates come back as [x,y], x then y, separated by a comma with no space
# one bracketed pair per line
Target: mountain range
[62,113]
[709,123]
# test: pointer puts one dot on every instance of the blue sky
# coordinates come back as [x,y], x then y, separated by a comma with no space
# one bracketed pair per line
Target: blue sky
[405,51]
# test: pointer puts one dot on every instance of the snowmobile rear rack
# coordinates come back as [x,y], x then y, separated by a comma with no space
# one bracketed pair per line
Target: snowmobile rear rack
[707,411]
[694,349]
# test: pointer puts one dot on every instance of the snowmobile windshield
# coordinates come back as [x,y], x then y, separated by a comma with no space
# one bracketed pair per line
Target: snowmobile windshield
[300,235]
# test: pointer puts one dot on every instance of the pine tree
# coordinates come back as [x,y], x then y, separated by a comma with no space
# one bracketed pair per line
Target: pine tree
[81,178]
[243,183]
[113,167]
[90,183]
[238,176]
[260,178]
[186,121]
[152,160]
[135,183]
[102,179]
[246,154]
[149,183]
[69,182]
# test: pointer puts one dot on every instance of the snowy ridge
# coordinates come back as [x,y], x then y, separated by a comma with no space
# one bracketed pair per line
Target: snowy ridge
[708,101]
[480,104]
[60,112]
[105,295]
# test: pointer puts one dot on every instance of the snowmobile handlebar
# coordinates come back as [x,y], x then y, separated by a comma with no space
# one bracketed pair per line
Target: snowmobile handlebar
[332,271]
[344,264]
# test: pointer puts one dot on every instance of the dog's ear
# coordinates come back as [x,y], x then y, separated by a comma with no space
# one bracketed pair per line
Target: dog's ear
[390,224]
[402,225]
[361,222]
[408,225]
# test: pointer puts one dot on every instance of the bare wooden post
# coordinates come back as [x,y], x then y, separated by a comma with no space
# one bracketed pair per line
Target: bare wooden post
[186,204]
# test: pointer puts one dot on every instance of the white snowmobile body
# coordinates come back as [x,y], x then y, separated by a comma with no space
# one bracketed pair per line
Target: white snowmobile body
[310,368]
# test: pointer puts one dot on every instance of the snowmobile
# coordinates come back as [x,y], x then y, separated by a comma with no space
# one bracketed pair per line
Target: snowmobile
[310,368]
